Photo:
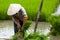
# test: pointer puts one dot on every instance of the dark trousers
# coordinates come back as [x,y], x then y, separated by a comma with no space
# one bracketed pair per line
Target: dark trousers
[15,26]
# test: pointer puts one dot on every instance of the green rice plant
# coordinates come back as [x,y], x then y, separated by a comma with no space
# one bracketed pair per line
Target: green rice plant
[48,8]
[55,22]
[31,7]
[37,36]
[27,4]
[14,37]
[33,36]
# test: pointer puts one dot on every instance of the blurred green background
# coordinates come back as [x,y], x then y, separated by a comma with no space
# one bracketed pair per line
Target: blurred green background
[31,7]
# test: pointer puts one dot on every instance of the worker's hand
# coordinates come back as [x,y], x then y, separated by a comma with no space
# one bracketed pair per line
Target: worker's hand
[25,19]
[19,26]
[22,28]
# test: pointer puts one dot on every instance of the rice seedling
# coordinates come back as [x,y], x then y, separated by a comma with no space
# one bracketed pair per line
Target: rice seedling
[31,7]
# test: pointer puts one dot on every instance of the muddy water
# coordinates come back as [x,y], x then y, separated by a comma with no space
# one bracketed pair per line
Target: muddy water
[7,29]
[42,27]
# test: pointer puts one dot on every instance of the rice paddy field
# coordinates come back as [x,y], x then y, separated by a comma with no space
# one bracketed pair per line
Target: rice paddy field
[31,7]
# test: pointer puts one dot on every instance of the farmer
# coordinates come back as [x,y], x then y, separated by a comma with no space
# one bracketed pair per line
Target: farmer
[19,16]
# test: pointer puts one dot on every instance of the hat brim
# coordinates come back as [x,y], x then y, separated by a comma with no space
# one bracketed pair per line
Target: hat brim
[13,9]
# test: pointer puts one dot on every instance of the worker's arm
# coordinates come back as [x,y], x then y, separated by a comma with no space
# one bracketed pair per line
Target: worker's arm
[25,19]
[17,22]
[25,15]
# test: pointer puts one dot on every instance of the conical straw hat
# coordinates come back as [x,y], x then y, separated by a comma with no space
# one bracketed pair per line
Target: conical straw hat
[13,9]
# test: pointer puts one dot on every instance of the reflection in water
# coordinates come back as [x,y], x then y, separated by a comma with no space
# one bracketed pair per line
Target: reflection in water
[46,31]
[6,32]
[6,29]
